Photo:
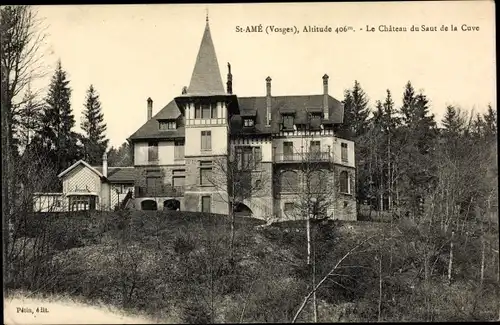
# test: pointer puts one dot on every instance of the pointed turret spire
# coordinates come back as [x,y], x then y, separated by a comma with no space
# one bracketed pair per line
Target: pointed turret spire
[206,78]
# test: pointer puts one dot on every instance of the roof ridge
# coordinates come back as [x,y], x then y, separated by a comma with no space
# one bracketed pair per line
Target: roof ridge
[273,96]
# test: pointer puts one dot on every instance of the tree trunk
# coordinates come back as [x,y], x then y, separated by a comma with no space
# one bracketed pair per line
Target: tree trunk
[379,287]
[231,241]
[6,180]
[450,264]
[315,305]
[381,198]
[389,172]
[308,231]
[482,259]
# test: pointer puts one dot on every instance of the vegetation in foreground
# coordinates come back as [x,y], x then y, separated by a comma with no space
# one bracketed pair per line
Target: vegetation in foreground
[175,266]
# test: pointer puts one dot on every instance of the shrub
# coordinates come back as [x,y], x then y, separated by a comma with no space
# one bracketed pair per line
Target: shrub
[196,313]
[183,243]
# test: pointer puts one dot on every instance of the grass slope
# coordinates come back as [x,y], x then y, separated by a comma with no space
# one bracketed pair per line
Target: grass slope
[174,267]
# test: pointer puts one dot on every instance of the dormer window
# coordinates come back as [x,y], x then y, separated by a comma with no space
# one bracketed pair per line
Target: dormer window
[315,121]
[248,122]
[288,121]
[167,125]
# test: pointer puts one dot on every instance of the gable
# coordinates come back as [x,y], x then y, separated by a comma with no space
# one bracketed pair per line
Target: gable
[78,163]
[81,178]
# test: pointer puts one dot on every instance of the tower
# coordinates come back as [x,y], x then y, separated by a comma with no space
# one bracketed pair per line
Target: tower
[207,111]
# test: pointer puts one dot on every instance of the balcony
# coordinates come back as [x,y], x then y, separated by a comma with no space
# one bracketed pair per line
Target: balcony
[318,156]
[159,191]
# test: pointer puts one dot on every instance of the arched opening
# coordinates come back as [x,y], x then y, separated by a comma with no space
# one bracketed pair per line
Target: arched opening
[149,205]
[242,210]
[317,181]
[172,205]
[289,181]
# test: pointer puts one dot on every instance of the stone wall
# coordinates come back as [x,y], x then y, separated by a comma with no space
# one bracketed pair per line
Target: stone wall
[216,188]
[343,205]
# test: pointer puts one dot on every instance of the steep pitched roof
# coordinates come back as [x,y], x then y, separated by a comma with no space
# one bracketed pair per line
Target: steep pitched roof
[79,162]
[251,107]
[206,78]
[120,174]
[298,105]
[151,129]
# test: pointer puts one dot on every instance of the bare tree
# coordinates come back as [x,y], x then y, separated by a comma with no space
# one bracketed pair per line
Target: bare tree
[237,178]
[317,187]
[20,55]
[28,237]
[328,275]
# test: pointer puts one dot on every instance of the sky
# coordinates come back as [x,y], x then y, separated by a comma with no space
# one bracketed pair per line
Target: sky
[132,52]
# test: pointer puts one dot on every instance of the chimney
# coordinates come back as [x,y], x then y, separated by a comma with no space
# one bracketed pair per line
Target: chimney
[150,108]
[229,80]
[268,100]
[325,97]
[105,164]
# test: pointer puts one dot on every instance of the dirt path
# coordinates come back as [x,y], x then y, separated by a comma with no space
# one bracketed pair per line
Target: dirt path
[21,310]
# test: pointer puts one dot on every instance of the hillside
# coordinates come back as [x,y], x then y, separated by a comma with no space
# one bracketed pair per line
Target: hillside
[174,268]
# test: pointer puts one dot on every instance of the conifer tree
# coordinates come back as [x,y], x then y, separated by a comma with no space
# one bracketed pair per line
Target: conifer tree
[120,157]
[490,122]
[94,128]
[409,99]
[29,123]
[345,129]
[452,122]
[360,110]
[418,135]
[58,121]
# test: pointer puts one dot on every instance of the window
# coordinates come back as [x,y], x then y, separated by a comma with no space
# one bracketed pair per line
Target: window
[178,178]
[206,202]
[248,122]
[288,207]
[289,181]
[82,202]
[344,182]
[258,184]
[315,148]
[288,122]
[178,181]
[167,125]
[315,121]
[153,151]
[205,173]
[153,185]
[178,150]
[205,111]
[206,140]
[288,150]
[123,188]
[248,157]
[343,152]
[258,157]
